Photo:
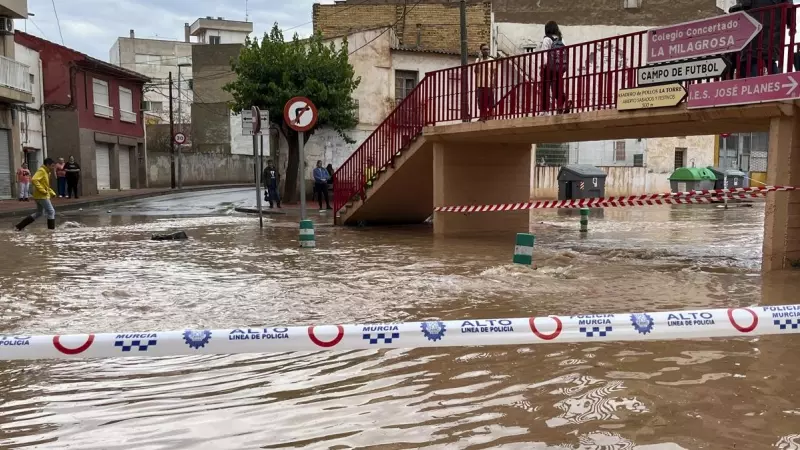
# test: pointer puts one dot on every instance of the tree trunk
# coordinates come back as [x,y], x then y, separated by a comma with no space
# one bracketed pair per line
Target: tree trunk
[290,194]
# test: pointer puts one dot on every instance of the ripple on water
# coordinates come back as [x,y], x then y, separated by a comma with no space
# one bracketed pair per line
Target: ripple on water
[103,274]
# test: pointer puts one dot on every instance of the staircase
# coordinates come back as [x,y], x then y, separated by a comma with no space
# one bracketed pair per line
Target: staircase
[379,158]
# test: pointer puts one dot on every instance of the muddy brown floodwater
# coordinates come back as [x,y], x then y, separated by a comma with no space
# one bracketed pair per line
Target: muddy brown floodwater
[98,273]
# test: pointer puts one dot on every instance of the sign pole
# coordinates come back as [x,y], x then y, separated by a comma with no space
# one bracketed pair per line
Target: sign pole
[724,153]
[302,171]
[258,182]
[725,185]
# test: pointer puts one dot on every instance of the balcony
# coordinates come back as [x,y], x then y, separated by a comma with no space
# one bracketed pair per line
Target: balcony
[15,82]
[15,9]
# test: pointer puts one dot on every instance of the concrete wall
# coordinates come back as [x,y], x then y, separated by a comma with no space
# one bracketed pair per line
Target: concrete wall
[620,181]
[466,174]
[201,168]
[157,58]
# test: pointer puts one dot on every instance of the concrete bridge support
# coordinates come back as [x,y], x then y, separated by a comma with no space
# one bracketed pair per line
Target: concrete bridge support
[782,217]
[477,174]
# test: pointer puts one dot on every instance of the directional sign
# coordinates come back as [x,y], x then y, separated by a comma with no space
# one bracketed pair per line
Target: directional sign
[247,121]
[706,37]
[300,114]
[650,97]
[180,138]
[744,91]
[681,71]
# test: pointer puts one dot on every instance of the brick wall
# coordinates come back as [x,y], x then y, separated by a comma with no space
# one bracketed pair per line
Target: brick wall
[427,26]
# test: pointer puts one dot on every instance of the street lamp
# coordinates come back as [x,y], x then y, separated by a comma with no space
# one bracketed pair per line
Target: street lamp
[180,125]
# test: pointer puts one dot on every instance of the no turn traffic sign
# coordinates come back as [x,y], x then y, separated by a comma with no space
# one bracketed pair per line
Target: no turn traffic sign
[300,114]
[180,138]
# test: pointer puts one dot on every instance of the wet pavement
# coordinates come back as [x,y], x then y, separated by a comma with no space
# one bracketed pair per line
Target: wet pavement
[99,272]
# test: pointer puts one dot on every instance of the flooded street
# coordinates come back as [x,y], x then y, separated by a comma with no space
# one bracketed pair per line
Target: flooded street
[99,272]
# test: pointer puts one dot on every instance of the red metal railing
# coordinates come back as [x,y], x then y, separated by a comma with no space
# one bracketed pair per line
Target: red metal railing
[588,79]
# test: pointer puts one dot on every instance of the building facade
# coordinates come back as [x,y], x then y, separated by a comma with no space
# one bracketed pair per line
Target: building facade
[32,121]
[157,58]
[519,28]
[16,91]
[92,113]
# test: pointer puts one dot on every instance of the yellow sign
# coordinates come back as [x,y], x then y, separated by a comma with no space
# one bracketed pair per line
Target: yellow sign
[650,97]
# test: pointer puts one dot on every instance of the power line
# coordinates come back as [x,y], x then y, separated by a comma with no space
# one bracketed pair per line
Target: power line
[405,13]
[57,21]
[37,27]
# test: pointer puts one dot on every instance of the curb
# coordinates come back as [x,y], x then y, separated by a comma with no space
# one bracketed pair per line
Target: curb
[126,198]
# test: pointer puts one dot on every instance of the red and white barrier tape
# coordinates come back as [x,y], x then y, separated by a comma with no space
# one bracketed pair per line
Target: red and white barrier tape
[678,198]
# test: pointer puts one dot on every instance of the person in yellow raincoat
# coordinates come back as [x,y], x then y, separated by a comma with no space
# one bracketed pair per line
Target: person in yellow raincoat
[42,193]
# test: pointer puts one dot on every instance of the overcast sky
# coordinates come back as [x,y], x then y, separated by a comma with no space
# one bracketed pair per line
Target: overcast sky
[92,26]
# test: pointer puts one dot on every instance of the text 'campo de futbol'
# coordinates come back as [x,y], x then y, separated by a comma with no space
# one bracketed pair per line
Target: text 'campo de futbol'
[701,38]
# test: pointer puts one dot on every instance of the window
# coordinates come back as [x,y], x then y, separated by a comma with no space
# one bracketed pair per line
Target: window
[619,151]
[126,113]
[404,82]
[102,107]
[155,106]
[680,157]
[213,40]
[32,77]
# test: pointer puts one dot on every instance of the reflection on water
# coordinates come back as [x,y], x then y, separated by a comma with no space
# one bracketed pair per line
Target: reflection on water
[100,272]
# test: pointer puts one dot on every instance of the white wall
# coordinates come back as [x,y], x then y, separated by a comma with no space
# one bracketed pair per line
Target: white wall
[518,35]
[243,145]
[603,153]
[226,37]
[31,125]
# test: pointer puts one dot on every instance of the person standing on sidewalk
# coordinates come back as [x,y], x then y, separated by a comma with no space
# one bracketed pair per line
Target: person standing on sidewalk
[73,170]
[24,182]
[321,186]
[42,193]
[61,178]
[271,178]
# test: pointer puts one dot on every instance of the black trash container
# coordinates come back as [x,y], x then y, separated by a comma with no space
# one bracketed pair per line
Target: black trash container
[577,181]
[736,178]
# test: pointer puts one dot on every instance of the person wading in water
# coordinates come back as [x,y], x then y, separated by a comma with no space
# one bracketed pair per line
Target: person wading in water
[42,193]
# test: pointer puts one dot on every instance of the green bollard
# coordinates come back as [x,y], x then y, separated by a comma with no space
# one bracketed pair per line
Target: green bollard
[523,250]
[584,220]
[307,234]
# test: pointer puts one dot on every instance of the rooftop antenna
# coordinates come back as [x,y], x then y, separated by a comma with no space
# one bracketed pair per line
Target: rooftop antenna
[246,15]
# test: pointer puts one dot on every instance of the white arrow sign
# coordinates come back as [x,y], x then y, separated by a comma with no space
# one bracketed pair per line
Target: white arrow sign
[792,85]
[681,71]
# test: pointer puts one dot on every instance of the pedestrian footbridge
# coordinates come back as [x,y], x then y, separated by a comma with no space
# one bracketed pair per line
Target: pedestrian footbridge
[452,143]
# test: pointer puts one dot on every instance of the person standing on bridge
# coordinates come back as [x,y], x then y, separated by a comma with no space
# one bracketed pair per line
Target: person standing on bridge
[554,69]
[765,50]
[42,193]
[485,82]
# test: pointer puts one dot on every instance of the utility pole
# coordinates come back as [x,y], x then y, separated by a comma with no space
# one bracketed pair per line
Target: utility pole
[171,135]
[464,63]
[180,125]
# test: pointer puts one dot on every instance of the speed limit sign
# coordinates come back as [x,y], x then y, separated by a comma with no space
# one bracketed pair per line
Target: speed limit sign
[180,138]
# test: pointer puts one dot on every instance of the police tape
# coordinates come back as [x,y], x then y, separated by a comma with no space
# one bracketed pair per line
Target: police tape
[607,202]
[689,324]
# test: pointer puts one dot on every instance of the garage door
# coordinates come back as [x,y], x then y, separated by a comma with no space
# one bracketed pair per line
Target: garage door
[102,161]
[6,174]
[124,168]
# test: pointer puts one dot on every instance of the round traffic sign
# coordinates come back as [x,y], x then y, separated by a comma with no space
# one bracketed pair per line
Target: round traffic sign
[300,114]
[180,138]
